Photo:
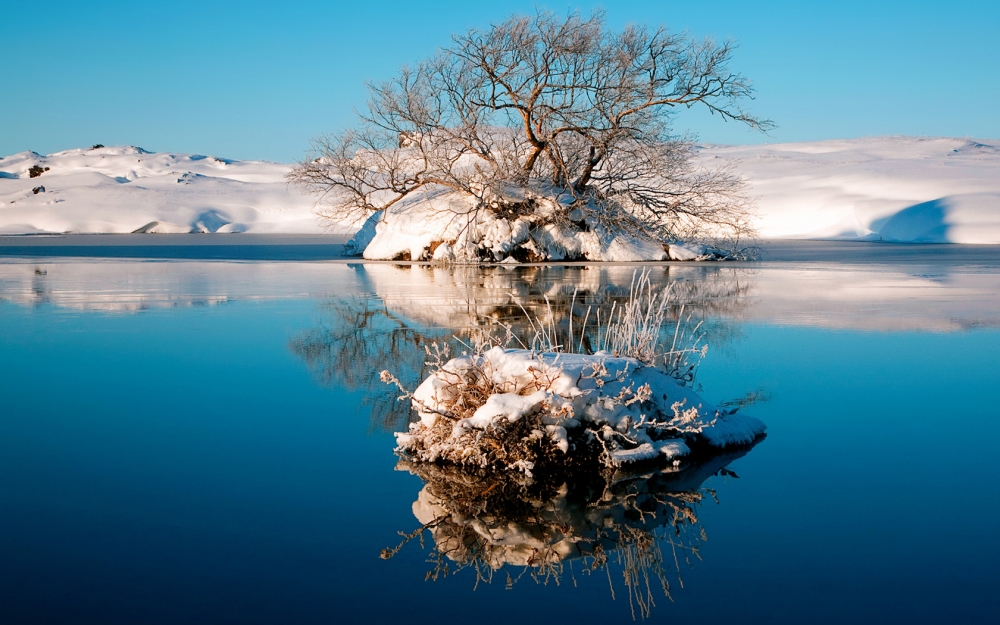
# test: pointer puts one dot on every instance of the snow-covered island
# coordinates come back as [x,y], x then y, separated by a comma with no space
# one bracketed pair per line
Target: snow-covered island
[895,189]
[901,189]
[534,458]
[584,400]
[519,410]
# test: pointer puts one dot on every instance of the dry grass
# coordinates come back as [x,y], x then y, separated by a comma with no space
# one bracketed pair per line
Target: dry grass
[631,329]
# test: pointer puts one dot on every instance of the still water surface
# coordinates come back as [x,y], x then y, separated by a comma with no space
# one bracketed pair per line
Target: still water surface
[208,442]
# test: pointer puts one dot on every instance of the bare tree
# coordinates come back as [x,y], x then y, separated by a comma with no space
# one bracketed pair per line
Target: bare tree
[555,107]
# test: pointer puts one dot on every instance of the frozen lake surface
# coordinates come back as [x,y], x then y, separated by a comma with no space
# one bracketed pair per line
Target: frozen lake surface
[194,441]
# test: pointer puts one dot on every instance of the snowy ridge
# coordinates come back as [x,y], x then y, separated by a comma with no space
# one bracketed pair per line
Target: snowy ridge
[905,189]
[127,189]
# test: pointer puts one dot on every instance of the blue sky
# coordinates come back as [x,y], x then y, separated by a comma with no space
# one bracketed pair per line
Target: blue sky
[259,79]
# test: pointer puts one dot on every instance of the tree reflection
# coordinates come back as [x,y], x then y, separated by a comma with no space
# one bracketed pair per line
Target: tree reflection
[641,530]
[361,338]
[413,306]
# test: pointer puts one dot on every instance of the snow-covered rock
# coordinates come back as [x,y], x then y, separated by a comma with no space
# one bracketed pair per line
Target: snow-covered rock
[633,411]
[417,227]
[363,237]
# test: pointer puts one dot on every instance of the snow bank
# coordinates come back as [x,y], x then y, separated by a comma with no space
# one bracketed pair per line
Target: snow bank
[965,218]
[127,189]
[363,237]
[901,189]
[445,226]
[561,405]
[904,189]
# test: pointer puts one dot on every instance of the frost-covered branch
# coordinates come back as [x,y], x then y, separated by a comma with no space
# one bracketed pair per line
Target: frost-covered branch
[562,107]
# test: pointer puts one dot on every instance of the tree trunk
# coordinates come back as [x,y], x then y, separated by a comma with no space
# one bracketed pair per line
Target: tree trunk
[529,164]
[592,162]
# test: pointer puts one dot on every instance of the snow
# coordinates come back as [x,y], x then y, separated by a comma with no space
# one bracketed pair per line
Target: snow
[442,225]
[733,430]
[127,189]
[686,251]
[905,189]
[363,237]
[509,406]
[619,399]
[965,218]
[672,449]
[900,189]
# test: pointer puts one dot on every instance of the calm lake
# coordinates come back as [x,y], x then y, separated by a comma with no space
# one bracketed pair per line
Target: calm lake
[208,442]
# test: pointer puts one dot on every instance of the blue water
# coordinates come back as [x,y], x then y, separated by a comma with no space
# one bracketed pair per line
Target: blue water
[185,463]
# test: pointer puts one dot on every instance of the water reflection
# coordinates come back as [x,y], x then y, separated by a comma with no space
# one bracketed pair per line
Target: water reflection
[641,531]
[943,297]
[359,336]
[123,286]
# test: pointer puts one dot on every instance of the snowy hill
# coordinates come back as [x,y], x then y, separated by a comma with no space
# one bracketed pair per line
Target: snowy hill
[127,189]
[890,188]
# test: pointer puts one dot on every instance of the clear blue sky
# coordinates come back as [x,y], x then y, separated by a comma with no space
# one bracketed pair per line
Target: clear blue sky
[259,79]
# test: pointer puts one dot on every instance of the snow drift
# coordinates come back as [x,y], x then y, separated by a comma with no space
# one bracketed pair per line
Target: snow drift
[442,225]
[127,189]
[904,189]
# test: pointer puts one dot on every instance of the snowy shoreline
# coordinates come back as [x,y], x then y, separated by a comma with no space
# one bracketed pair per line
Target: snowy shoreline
[901,189]
[304,247]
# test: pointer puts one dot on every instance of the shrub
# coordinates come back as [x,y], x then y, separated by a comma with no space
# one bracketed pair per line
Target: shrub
[36,170]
